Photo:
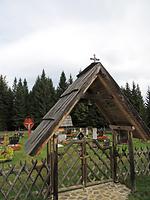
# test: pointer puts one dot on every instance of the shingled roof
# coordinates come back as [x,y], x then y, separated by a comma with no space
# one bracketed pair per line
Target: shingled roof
[95,83]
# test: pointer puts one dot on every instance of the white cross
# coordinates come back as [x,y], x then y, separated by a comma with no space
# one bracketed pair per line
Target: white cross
[95,59]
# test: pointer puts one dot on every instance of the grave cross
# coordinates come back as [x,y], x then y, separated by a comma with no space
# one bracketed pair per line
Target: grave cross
[94,59]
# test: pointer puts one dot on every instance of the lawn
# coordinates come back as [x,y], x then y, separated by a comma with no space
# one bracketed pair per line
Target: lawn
[21,155]
[142,190]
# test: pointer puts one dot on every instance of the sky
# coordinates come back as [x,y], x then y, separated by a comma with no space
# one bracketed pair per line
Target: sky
[58,35]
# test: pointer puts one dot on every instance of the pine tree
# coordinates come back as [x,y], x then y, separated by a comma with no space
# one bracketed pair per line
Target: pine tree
[62,86]
[127,91]
[148,107]
[20,103]
[14,87]
[9,114]
[135,97]
[86,114]
[137,100]
[26,97]
[3,104]
[140,102]
[42,97]
[6,105]
[79,114]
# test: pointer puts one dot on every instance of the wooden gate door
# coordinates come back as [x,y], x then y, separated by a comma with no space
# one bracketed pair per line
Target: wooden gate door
[82,163]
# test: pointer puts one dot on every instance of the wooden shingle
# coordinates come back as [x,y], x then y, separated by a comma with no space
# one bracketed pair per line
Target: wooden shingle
[93,83]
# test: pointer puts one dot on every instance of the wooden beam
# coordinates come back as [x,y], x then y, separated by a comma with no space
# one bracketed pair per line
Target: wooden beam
[97,96]
[123,104]
[62,108]
[131,159]
[118,127]
[55,169]
[114,158]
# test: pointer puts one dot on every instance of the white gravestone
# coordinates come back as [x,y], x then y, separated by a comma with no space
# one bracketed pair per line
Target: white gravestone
[95,133]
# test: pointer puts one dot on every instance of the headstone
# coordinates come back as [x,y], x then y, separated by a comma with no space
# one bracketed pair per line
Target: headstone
[86,132]
[61,137]
[95,133]
[14,140]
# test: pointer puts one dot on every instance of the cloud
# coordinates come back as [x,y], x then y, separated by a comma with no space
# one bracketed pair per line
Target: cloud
[63,35]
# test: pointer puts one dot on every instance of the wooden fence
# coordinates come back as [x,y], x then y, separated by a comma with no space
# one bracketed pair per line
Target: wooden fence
[26,181]
[80,163]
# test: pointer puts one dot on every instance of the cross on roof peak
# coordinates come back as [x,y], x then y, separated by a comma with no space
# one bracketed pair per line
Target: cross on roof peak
[94,58]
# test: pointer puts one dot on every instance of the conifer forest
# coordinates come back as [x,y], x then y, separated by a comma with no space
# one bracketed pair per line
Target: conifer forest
[17,102]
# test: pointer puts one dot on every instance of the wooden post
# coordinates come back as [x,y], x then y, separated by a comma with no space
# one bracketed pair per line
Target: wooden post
[49,158]
[55,169]
[131,159]
[114,158]
[84,163]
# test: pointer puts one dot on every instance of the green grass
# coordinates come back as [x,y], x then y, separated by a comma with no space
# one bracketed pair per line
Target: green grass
[142,189]
[21,154]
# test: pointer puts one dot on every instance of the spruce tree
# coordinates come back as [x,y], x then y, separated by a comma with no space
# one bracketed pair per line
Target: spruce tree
[3,103]
[127,91]
[42,97]
[148,107]
[62,86]
[135,97]
[9,103]
[86,114]
[20,103]
[26,96]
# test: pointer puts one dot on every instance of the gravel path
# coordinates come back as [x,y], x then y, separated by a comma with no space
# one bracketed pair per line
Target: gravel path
[107,191]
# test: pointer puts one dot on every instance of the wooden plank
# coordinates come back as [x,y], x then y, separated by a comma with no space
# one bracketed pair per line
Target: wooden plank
[126,128]
[55,170]
[124,105]
[83,163]
[35,141]
[77,84]
[131,158]
[114,158]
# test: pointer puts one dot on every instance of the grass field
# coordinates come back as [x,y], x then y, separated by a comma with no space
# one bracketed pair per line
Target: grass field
[21,155]
[142,190]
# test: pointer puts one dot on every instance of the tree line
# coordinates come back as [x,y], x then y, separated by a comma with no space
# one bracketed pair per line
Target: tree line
[17,102]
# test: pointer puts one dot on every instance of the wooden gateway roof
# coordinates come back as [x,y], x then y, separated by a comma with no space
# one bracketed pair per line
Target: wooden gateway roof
[95,83]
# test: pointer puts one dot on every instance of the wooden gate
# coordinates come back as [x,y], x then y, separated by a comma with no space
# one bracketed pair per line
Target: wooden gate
[82,163]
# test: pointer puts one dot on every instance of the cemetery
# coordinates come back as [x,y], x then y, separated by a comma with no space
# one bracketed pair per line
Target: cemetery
[77,158]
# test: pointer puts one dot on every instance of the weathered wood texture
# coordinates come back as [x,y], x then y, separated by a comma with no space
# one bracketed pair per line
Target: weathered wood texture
[59,111]
[67,122]
[80,160]
[83,163]
[25,181]
[94,81]
[114,156]
[124,108]
[131,161]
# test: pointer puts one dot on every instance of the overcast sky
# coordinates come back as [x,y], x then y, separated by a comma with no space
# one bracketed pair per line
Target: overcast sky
[63,34]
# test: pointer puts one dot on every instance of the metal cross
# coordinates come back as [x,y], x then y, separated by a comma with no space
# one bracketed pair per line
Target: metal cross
[95,59]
